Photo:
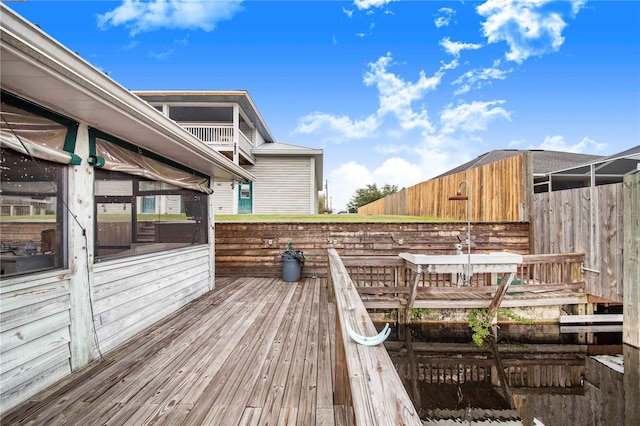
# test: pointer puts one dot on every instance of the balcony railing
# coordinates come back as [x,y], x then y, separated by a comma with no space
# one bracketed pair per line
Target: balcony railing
[245,144]
[221,135]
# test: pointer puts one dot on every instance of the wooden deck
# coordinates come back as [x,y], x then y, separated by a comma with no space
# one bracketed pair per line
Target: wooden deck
[253,351]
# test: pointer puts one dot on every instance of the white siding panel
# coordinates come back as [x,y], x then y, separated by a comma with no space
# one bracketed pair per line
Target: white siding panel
[282,185]
[131,295]
[34,377]
[172,204]
[34,343]
[222,198]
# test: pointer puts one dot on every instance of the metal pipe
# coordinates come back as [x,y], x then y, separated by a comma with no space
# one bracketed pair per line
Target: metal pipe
[459,196]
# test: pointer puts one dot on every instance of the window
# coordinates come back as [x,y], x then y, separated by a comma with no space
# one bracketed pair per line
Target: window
[127,225]
[36,145]
[33,222]
[245,191]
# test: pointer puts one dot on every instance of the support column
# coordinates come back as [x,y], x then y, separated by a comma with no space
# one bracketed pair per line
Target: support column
[81,236]
[211,235]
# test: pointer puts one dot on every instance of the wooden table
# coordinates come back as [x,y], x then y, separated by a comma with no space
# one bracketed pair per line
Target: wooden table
[495,262]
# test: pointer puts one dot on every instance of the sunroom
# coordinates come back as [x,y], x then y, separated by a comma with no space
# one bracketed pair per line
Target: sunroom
[107,221]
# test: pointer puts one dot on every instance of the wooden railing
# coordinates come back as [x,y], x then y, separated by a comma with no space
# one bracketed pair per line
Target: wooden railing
[365,377]
[212,134]
[550,279]
[221,136]
[245,144]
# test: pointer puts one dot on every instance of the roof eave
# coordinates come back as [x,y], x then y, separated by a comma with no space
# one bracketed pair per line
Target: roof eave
[87,95]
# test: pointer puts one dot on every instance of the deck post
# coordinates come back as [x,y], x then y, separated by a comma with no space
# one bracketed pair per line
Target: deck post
[81,234]
[406,311]
[492,312]
[401,281]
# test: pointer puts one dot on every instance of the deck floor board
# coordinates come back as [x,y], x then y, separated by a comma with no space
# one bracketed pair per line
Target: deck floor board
[253,351]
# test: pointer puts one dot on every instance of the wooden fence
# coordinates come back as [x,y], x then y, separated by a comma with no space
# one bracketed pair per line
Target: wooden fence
[587,220]
[631,267]
[500,191]
[254,249]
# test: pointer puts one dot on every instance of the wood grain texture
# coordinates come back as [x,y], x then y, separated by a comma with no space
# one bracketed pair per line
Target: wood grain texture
[378,395]
[591,221]
[249,352]
[242,249]
[631,277]
[499,192]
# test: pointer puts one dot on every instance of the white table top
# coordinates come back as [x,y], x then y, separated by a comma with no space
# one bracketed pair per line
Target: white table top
[492,258]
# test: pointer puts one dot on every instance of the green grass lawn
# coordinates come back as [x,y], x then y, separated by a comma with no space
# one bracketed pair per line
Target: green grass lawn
[348,218]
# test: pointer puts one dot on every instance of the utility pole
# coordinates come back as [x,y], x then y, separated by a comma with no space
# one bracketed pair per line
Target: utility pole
[326,195]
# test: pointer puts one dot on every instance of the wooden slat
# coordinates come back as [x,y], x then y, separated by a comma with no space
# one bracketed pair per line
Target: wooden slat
[379,397]
[234,394]
[119,363]
[325,369]
[226,358]
[280,383]
[581,319]
[631,267]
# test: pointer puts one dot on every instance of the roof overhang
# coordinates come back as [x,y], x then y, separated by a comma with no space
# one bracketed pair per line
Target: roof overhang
[39,69]
[194,97]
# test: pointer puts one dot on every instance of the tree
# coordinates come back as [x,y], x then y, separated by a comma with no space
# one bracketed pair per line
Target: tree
[322,204]
[369,194]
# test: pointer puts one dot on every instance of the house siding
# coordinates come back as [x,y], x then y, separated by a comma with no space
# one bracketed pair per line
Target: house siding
[130,295]
[275,192]
[223,198]
[35,336]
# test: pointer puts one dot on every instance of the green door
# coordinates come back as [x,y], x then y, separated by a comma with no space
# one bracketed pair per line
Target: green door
[245,198]
[149,204]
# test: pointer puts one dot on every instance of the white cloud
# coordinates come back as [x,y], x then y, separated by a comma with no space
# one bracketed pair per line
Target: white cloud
[471,117]
[455,47]
[576,5]
[338,128]
[348,12]
[557,143]
[348,177]
[344,181]
[529,27]
[475,79]
[389,149]
[445,19]
[397,171]
[433,160]
[396,96]
[140,16]
[131,45]
[363,35]
[367,4]
[162,56]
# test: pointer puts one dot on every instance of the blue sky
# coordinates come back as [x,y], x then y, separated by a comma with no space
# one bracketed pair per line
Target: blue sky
[394,92]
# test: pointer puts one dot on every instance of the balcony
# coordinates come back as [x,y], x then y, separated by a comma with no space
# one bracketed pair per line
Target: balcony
[221,137]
